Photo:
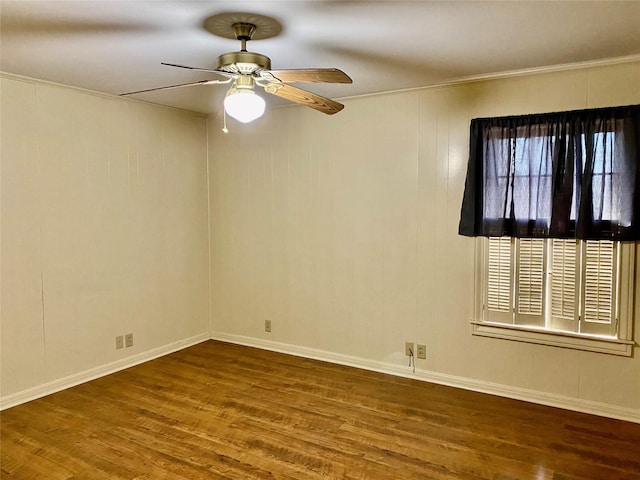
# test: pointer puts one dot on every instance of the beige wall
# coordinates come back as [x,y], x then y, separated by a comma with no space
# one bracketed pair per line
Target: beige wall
[104,230]
[343,231]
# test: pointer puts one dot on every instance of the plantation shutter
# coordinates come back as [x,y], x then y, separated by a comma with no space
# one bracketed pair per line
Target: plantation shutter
[599,273]
[563,295]
[530,282]
[499,300]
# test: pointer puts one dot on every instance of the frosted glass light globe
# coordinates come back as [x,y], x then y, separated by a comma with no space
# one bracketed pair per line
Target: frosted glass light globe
[244,105]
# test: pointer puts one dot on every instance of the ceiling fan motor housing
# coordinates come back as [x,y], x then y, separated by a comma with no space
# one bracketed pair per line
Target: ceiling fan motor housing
[243,63]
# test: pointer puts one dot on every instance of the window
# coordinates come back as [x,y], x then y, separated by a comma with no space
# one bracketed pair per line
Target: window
[558,197]
[558,175]
[570,293]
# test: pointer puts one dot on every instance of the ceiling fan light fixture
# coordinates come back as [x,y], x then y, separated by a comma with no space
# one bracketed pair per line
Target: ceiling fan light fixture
[247,69]
[244,104]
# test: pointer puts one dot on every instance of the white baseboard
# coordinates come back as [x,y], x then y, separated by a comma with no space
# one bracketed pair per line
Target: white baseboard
[533,396]
[97,372]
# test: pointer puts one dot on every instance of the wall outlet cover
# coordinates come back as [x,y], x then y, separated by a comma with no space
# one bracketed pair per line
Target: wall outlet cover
[421,351]
[119,341]
[408,349]
[128,340]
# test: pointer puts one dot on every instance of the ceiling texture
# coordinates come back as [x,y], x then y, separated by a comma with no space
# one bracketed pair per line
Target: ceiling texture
[118,46]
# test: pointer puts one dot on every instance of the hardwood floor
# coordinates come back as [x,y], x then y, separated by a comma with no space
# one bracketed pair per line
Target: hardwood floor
[217,410]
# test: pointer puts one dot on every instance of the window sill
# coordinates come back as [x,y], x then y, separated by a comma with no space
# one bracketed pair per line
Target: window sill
[613,346]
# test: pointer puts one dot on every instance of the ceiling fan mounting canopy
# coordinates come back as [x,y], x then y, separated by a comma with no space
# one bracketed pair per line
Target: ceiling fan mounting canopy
[222,25]
[244,30]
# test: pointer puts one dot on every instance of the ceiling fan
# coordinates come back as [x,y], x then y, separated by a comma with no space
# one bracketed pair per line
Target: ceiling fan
[244,70]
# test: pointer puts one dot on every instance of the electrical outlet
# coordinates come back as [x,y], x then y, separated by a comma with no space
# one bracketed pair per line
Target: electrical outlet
[421,351]
[119,341]
[408,348]
[128,340]
[267,325]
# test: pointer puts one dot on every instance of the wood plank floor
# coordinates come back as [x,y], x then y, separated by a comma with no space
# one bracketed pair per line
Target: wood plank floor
[217,410]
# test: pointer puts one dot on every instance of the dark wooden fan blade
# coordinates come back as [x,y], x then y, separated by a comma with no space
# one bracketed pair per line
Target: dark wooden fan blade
[317,75]
[201,82]
[297,95]
[219,72]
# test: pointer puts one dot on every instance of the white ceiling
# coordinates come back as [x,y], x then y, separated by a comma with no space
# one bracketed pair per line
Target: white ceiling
[117,46]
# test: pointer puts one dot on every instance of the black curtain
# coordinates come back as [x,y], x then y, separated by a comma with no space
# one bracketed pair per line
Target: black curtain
[558,175]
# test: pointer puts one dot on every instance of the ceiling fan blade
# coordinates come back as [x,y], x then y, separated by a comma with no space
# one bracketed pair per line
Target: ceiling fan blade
[190,84]
[316,75]
[303,97]
[219,72]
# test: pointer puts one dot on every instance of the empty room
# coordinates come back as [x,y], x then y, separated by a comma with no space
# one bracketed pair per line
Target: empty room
[319,240]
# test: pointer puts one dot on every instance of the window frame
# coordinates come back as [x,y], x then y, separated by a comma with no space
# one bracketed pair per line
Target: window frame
[621,345]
